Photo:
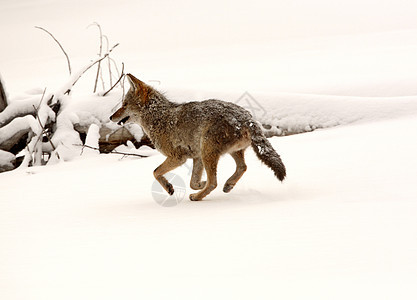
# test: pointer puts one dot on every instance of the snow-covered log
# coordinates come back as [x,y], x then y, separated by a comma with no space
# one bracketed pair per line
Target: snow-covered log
[50,127]
[13,132]
[7,161]
[111,138]
[19,108]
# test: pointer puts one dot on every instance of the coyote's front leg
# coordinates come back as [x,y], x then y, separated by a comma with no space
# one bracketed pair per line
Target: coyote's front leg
[196,183]
[168,165]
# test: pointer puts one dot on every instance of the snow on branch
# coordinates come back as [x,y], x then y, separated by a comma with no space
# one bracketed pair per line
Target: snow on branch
[67,87]
[18,109]
[49,127]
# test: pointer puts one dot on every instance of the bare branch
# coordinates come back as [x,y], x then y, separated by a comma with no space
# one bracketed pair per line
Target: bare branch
[40,102]
[44,132]
[120,78]
[114,152]
[60,46]
[100,53]
[108,61]
[74,80]
[115,66]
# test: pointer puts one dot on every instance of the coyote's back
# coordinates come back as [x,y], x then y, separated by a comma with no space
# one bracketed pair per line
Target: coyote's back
[202,131]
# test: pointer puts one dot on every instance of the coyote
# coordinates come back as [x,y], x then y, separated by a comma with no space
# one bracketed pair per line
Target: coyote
[202,131]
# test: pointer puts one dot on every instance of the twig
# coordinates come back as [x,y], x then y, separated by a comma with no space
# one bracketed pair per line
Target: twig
[102,78]
[118,73]
[32,144]
[28,155]
[60,46]
[89,66]
[120,78]
[44,131]
[108,62]
[113,152]
[40,102]
[100,53]
[115,65]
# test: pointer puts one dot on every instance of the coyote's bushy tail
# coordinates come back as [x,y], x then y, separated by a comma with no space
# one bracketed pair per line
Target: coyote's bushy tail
[265,152]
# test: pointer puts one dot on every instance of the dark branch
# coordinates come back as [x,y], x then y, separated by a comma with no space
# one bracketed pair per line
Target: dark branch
[89,66]
[60,46]
[113,151]
[100,53]
[120,78]
[44,131]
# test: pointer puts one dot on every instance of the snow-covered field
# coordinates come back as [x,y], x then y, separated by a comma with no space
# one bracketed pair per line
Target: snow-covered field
[341,226]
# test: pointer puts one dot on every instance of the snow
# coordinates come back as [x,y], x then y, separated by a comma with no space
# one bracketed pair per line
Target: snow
[288,113]
[17,125]
[93,135]
[341,226]
[18,107]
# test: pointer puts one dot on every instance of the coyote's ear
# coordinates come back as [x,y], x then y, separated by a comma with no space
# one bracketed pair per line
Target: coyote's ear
[135,83]
[139,87]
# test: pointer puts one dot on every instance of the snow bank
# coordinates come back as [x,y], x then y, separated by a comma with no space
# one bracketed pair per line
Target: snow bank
[296,113]
[281,114]
[83,111]
[290,113]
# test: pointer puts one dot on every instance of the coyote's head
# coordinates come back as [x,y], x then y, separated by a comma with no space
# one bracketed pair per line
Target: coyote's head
[135,100]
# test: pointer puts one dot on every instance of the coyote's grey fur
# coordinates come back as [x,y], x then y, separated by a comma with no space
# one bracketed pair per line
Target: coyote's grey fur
[202,131]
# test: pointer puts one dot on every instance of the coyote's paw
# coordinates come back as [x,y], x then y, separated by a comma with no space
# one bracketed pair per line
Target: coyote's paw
[193,197]
[198,186]
[228,187]
[170,189]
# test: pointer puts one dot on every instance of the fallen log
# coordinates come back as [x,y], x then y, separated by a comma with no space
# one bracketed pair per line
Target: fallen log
[111,139]
[7,161]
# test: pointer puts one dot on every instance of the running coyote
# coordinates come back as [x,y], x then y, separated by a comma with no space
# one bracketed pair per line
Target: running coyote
[202,131]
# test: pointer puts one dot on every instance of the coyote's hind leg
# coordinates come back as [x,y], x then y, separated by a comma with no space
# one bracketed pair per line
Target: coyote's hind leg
[210,164]
[239,157]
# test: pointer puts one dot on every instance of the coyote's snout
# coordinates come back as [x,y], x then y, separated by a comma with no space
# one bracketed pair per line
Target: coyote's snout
[120,116]
[202,131]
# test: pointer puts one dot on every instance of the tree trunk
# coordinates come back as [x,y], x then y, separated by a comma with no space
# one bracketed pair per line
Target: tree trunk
[3,100]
